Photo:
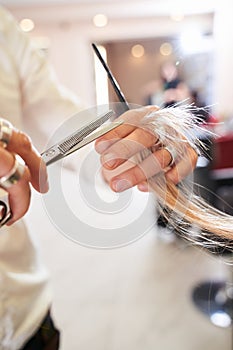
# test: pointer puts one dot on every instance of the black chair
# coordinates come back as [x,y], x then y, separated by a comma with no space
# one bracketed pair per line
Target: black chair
[215,298]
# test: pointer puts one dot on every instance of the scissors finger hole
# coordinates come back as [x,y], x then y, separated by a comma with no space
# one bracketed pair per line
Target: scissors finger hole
[3,211]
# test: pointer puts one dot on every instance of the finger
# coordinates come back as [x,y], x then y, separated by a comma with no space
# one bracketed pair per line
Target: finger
[110,174]
[21,144]
[135,142]
[19,197]
[151,166]
[184,167]
[131,121]
[7,161]
[143,186]
[106,141]
[19,192]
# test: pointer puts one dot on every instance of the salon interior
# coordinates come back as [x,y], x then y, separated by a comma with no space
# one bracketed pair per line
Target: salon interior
[149,289]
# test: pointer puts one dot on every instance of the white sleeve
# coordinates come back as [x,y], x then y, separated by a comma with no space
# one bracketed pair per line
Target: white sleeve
[45,102]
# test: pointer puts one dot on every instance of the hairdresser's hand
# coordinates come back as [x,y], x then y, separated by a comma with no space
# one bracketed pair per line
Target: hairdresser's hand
[33,171]
[119,145]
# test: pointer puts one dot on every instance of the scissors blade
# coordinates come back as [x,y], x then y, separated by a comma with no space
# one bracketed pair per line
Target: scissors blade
[61,149]
[81,133]
[95,135]
[112,79]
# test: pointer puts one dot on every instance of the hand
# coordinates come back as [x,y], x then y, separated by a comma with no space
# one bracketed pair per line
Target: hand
[34,173]
[119,146]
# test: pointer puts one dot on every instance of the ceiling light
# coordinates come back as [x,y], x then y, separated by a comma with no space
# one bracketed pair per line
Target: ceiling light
[100,20]
[137,51]
[27,25]
[166,49]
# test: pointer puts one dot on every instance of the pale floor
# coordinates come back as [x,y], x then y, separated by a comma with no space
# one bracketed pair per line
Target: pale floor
[133,298]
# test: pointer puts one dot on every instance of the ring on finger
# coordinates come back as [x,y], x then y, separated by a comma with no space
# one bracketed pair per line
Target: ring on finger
[13,176]
[156,145]
[6,129]
[172,153]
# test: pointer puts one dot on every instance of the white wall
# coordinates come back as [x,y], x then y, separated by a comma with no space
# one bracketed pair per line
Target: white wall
[223,31]
[71,31]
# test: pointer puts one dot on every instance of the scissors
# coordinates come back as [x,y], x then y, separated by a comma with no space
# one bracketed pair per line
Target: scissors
[70,144]
[88,133]
[75,141]
[80,138]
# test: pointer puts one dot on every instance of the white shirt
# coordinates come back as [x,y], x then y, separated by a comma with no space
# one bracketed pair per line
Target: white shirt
[32,99]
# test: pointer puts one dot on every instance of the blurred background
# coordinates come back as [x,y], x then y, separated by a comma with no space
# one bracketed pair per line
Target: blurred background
[137,36]
[140,296]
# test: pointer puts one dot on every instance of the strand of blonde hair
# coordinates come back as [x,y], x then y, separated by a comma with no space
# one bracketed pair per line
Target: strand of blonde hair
[197,220]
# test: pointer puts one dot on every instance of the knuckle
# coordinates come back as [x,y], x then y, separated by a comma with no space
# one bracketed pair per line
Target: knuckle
[124,149]
[145,135]
[136,175]
[121,149]
[25,142]
[116,134]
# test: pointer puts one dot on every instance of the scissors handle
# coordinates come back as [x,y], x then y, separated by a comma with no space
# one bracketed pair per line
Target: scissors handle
[5,212]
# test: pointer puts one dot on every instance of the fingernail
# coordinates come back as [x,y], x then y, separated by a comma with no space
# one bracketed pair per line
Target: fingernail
[120,185]
[101,146]
[44,187]
[143,187]
[109,160]
[44,184]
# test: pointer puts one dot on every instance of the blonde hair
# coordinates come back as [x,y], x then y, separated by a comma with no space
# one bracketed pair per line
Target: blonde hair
[195,219]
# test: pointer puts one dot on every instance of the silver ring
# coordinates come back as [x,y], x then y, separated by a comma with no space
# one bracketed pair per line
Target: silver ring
[158,142]
[6,129]
[173,155]
[156,145]
[13,176]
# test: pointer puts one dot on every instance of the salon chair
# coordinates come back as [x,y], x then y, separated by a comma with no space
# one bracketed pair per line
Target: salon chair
[215,298]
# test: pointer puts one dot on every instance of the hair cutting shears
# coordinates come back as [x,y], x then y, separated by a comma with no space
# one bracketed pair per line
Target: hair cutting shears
[88,133]
[76,140]
[70,144]
[80,138]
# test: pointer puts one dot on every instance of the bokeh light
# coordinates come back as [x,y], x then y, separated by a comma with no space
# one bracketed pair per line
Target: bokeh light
[166,49]
[27,25]
[137,51]
[100,20]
